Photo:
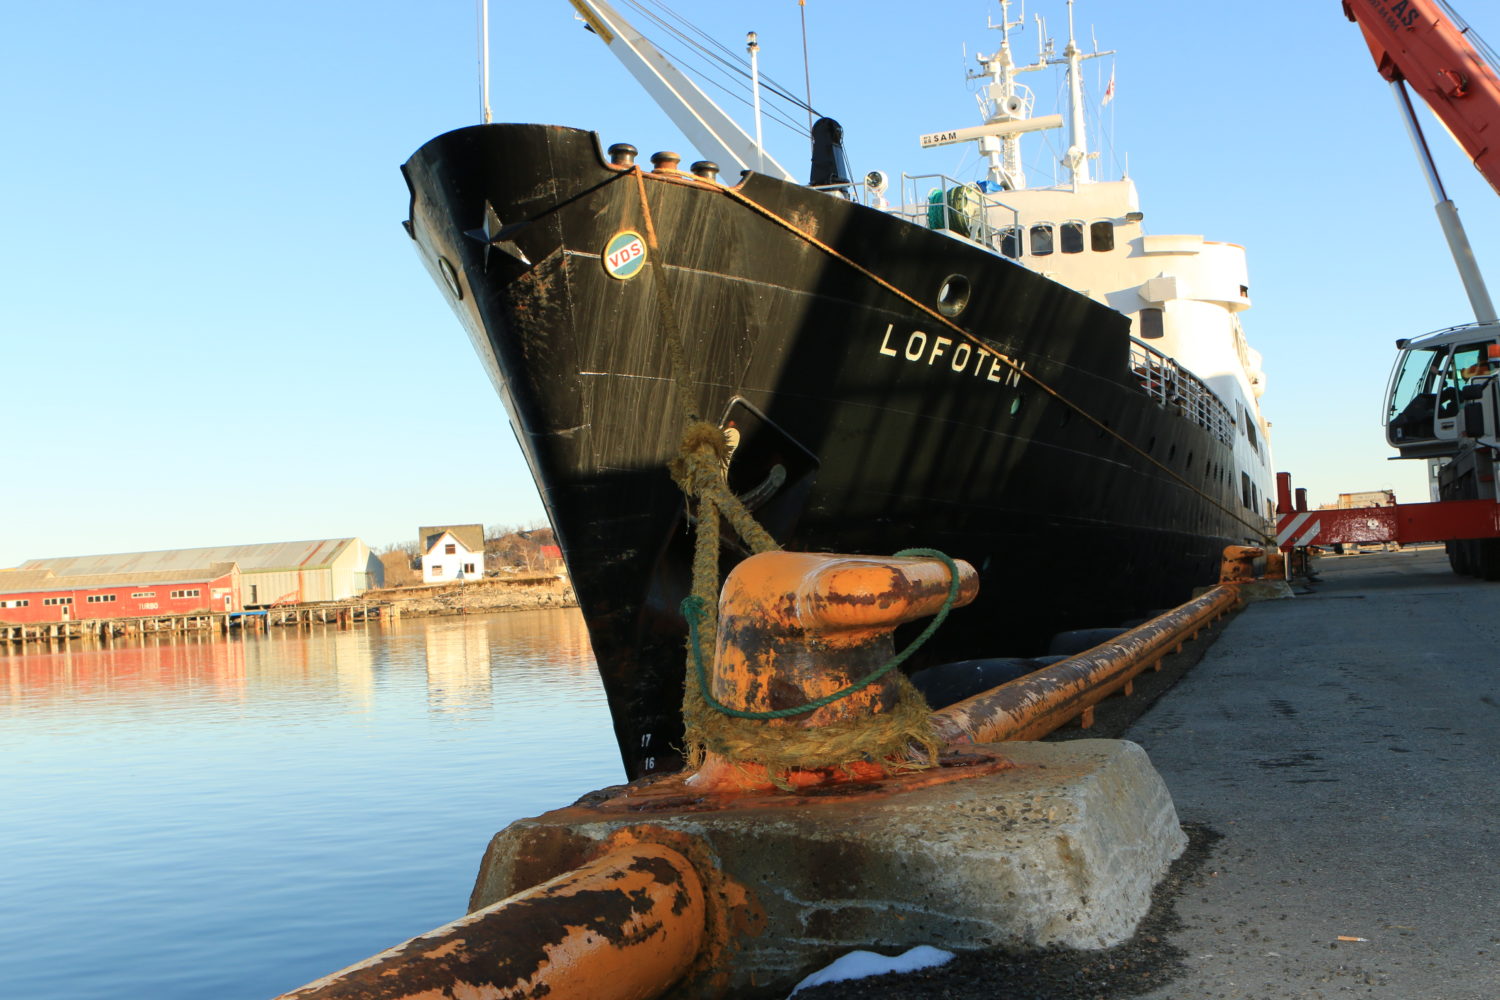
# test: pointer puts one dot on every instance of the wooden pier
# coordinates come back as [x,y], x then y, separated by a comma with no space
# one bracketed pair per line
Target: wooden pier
[108,629]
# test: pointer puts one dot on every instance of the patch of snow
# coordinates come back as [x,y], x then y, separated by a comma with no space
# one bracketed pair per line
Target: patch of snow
[861,964]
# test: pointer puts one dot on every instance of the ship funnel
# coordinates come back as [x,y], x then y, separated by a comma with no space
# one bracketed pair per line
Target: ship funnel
[829,165]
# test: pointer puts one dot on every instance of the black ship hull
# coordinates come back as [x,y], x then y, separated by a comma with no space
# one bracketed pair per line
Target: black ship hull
[864,426]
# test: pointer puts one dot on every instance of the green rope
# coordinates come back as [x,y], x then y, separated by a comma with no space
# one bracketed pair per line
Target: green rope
[693,608]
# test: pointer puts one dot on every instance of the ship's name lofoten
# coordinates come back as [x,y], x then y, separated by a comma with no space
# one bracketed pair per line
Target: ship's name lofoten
[958,357]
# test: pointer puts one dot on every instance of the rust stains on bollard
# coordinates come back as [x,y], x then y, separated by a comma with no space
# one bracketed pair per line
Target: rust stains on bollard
[795,627]
[1033,706]
[624,927]
[1238,564]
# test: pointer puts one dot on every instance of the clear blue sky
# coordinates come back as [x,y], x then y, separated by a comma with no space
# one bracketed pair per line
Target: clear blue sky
[215,330]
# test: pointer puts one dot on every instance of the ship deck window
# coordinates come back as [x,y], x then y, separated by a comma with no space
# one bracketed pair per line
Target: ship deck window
[1010,242]
[1041,240]
[1153,324]
[1072,237]
[1245,491]
[1102,236]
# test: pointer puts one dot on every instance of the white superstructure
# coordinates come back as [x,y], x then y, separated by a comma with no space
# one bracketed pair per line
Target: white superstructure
[1183,294]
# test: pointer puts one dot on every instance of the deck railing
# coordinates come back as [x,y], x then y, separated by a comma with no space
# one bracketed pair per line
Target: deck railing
[1175,388]
[967,216]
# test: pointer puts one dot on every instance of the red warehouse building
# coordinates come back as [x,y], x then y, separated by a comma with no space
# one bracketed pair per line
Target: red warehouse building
[28,596]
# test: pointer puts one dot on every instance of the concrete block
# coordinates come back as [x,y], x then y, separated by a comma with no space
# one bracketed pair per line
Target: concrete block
[1063,848]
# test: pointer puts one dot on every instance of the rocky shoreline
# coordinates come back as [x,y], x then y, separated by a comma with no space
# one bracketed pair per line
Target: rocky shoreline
[480,597]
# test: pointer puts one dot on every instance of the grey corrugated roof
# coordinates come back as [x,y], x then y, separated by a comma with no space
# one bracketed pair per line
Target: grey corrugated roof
[32,581]
[261,558]
[472,535]
[13,581]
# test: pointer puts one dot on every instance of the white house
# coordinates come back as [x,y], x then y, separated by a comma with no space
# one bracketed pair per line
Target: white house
[452,552]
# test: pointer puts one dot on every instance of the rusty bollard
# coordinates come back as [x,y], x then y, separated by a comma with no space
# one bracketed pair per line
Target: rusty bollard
[797,626]
[1238,564]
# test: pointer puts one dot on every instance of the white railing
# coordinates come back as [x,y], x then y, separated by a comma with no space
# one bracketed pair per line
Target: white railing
[917,205]
[1175,388]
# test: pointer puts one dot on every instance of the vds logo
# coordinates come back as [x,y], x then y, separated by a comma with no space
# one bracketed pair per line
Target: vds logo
[624,255]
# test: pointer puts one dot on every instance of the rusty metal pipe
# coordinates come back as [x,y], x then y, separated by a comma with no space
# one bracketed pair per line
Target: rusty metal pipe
[1030,707]
[624,927]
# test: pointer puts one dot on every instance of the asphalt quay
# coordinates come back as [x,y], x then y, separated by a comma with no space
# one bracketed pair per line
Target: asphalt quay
[1344,745]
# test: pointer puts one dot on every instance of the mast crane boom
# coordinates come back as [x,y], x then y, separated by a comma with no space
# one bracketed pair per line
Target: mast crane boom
[705,124]
[1424,43]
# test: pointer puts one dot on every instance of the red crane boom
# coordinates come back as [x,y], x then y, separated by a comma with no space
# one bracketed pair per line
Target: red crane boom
[1427,44]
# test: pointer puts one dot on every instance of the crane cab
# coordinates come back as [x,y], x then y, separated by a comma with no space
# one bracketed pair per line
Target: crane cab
[1426,394]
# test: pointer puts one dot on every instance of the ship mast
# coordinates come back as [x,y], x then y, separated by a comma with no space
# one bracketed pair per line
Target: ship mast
[1007,103]
[1006,107]
[1076,160]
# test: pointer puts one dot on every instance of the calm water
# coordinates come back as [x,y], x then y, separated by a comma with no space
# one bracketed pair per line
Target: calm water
[232,818]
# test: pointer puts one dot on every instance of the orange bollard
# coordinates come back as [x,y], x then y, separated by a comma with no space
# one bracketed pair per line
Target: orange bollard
[796,626]
[1275,565]
[625,927]
[1238,563]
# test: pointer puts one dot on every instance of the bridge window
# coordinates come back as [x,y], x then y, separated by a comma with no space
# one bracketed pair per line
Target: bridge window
[1153,324]
[1102,236]
[1010,242]
[1041,240]
[1072,237]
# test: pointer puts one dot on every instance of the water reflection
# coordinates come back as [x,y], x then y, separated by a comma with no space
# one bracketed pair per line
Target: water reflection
[459,654]
[458,666]
[337,786]
[61,674]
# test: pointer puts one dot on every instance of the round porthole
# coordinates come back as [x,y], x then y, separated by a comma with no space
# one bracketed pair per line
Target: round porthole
[1015,406]
[953,296]
[450,276]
